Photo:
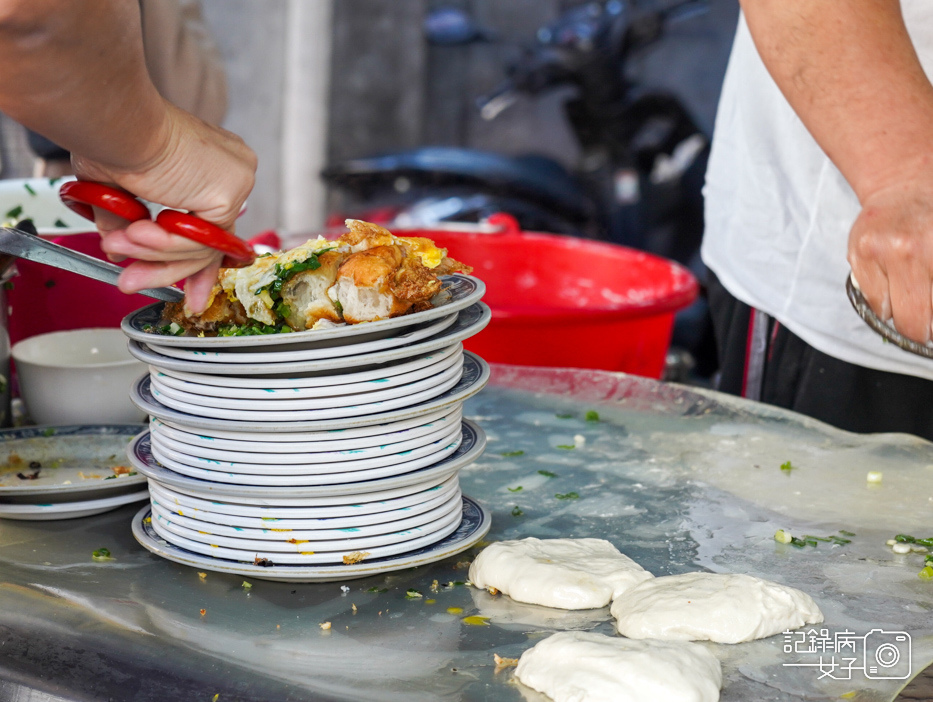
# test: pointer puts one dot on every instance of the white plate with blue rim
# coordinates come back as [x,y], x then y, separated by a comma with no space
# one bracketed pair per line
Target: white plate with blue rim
[277,458]
[458,292]
[316,507]
[305,476]
[401,337]
[295,540]
[332,383]
[336,517]
[311,442]
[469,322]
[71,510]
[207,544]
[474,525]
[473,379]
[293,408]
[171,457]
[66,462]
[472,444]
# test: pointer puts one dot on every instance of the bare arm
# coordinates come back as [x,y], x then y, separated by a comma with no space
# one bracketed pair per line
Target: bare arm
[850,72]
[74,70]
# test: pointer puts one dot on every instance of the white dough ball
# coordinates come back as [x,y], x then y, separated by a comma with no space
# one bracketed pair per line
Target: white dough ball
[577,666]
[564,573]
[712,607]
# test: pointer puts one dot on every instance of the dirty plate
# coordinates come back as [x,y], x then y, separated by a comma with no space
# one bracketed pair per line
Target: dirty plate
[70,510]
[471,447]
[75,461]
[264,508]
[282,518]
[415,538]
[318,386]
[328,474]
[474,525]
[270,454]
[459,292]
[469,322]
[303,541]
[307,442]
[295,409]
[408,335]
[474,378]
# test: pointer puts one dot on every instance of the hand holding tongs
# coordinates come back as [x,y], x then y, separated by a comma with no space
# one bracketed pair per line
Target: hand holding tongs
[880,326]
[82,195]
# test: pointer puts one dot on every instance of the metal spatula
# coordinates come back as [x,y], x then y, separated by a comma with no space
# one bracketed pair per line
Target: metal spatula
[20,243]
[883,328]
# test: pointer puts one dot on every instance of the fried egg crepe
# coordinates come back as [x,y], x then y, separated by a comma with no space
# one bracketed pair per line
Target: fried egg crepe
[366,275]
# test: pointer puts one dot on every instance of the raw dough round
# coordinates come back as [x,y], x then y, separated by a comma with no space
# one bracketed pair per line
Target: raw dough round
[712,607]
[564,573]
[578,666]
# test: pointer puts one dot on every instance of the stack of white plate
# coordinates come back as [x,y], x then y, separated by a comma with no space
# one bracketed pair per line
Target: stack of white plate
[67,471]
[351,437]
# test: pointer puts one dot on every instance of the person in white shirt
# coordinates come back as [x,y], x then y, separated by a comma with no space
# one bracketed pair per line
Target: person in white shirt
[822,162]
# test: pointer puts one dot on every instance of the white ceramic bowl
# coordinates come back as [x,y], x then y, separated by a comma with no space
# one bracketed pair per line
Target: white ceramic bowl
[81,376]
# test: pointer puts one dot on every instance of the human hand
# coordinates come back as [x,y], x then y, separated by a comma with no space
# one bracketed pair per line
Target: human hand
[891,255]
[195,167]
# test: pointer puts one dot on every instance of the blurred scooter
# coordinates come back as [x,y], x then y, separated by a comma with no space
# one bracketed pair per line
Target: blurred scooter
[643,159]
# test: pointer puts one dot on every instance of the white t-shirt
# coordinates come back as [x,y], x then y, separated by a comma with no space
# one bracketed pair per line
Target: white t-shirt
[778,212]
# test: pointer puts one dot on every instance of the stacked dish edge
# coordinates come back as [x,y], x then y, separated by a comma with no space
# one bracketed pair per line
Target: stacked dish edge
[318,455]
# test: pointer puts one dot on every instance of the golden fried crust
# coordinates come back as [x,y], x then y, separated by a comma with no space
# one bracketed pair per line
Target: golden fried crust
[221,311]
[414,283]
[360,230]
[372,268]
[449,265]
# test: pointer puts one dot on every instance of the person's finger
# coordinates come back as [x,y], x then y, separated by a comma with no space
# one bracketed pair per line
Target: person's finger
[151,246]
[151,274]
[107,222]
[911,301]
[198,287]
[150,235]
[873,284]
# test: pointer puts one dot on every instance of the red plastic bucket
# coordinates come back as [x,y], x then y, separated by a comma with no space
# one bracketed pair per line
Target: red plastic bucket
[567,302]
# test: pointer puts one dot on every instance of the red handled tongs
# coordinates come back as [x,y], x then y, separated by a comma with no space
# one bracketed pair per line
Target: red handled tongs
[82,195]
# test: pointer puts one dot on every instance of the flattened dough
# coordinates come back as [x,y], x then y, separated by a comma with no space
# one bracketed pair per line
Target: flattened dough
[563,573]
[578,666]
[711,607]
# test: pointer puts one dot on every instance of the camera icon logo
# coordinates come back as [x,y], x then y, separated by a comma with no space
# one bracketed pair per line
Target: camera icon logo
[887,655]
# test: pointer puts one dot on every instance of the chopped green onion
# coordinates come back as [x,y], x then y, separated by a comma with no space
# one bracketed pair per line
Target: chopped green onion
[15,212]
[61,224]
[846,533]
[247,585]
[564,416]
[516,511]
[567,496]
[412,594]
[566,447]
[378,589]
[101,554]
[787,467]
[926,573]
[338,307]
[29,189]
[547,474]
[592,416]
[517,489]
[53,181]
[782,536]
[512,454]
